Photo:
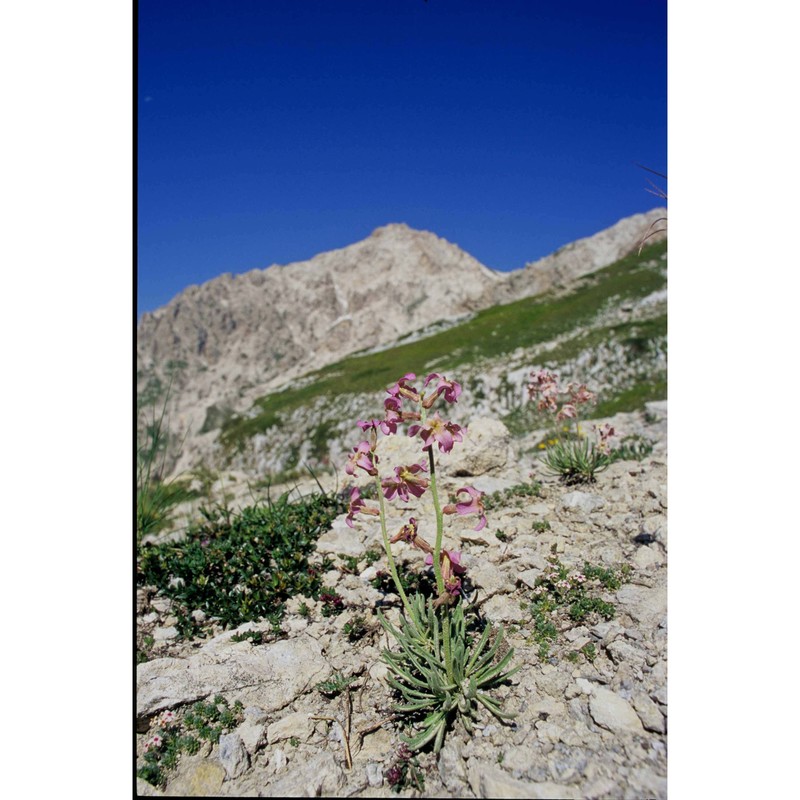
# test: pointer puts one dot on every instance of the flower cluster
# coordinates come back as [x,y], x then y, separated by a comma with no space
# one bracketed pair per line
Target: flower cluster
[406,403]
[166,719]
[544,388]
[604,433]
[438,669]
[153,743]
[575,459]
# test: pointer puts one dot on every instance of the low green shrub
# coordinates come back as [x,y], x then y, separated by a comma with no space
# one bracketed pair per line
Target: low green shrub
[562,596]
[241,567]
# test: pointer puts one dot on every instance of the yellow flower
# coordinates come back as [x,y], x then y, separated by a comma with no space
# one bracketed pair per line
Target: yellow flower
[542,445]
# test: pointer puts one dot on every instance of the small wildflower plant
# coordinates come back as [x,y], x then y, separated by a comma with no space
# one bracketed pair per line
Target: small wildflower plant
[571,596]
[575,458]
[172,736]
[441,673]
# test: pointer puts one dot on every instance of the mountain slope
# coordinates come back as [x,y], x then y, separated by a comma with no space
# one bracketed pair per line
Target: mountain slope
[237,338]
[607,329]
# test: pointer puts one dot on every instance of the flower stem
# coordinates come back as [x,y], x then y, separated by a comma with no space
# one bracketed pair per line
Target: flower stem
[390,558]
[437,566]
[437,548]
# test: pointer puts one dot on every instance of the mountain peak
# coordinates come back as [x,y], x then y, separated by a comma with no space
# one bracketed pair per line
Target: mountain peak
[392,229]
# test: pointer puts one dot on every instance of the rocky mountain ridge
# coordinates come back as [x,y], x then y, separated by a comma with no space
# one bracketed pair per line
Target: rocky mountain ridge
[239,337]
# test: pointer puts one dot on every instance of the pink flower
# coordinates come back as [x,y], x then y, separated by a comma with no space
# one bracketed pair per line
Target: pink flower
[438,430]
[405,483]
[153,743]
[604,432]
[393,407]
[362,456]
[544,383]
[166,719]
[567,411]
[402,389]
[474,505]
[408,533]
[450,389]
[579,395]
[451,563]
[451,569]
[358,506]
[388,426]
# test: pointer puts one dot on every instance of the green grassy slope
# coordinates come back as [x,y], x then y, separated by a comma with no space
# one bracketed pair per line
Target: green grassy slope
[491,334]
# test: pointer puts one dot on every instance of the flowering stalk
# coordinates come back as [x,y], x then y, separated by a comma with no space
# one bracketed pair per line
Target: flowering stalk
[437,564]
[441,673]
[390,559]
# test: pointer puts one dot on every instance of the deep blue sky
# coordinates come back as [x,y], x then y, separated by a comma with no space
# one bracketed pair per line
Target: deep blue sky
[273,130]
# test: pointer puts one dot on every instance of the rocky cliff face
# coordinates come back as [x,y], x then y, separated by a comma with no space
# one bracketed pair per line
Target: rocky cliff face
[238,337]
[581,257]
[288,319]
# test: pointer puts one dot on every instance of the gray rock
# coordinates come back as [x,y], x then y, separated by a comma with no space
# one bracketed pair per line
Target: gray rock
[529,576]
[644,782]
[452,769]
[163,634]
[488,577]
[649,713]
[251,734]
[269,676]
[490,781]
[144,789]
[374,772]
[319,776]
[196,778]
[621,650]
[342,540]
[298,725]
[645,605]
[233,755]
[582,501]
[504,608]
[612,712]
[278,761]
[255,714]
[486,447]
[646,558]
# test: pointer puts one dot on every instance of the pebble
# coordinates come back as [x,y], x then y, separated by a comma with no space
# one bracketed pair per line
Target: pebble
[233,755]
[611,711]
[374,772]
[163,634]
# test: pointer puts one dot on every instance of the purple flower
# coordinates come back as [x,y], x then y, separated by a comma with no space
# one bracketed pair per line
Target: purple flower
[472,506]
[358,506]
[451,563]
[580,395]
[438,430]
[405,482]
[408,533]
[362,456]
[544,383]
[388,426]
[450,389]
[451,569]
[567,411]
[402,389]
[604,433]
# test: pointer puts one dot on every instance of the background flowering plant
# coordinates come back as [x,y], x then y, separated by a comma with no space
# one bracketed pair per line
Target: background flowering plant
[574,457]
[438,671]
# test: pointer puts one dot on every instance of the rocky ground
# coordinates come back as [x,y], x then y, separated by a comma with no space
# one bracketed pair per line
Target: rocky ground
[584,728]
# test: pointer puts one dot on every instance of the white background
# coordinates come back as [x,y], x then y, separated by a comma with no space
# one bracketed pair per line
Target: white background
[66,145]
